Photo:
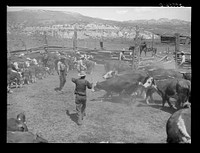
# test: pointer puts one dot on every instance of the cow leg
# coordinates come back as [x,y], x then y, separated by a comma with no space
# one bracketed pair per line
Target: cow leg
[8,89]
[169,103]
[178,103]
[164,98]
[140,90]
[107,95]
[148,95]
[182,99]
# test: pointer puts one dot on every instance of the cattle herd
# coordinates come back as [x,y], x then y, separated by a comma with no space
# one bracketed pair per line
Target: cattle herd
[119,78]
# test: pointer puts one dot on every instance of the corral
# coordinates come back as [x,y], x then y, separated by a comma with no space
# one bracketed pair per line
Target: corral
[52,114]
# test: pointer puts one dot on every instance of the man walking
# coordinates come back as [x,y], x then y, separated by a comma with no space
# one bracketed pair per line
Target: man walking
[80,65]
[182,58]
[121,55]
[62,72]
[80,92]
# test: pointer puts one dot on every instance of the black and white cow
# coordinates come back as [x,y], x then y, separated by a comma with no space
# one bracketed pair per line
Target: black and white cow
[178,127]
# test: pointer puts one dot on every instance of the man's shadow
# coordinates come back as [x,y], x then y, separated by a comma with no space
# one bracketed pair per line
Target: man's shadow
[73,116]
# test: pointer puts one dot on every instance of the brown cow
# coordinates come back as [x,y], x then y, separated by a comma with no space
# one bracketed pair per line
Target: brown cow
[24,137]
[178,127]
[18,124]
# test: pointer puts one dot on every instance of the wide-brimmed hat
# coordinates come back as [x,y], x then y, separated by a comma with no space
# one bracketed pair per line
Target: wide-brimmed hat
[81,57]
[182,52]
[62,57]
[82,73]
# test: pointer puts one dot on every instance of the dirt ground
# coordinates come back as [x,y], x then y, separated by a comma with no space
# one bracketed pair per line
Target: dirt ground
[52,114]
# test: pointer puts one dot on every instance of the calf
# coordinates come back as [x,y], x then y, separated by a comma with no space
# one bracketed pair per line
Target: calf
[24,137]
[178,127]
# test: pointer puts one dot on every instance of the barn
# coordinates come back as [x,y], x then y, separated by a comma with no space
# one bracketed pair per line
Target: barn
[170,38]
[167,38]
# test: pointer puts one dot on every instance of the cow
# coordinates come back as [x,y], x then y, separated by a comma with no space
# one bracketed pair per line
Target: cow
[89,65]
[24,137]
[18,124]
[118,66]
[14,77]
[161,73]
[122,84]
[29,75]
[177,88]
[110,74]
[178,127]
[187,76]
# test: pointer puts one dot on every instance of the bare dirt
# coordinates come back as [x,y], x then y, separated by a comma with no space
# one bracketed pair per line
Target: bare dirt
[52,114]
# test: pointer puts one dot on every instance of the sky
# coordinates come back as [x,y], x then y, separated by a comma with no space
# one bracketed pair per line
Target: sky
[122,13]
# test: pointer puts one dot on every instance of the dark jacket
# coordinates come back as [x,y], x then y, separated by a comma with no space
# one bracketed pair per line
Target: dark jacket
[81,85]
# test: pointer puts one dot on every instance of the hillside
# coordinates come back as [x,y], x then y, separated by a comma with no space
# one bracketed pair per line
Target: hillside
[33,23]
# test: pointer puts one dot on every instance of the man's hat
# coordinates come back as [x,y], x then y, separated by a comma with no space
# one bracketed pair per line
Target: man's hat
[182,52]
[82,57]
[62,57]
[82,73]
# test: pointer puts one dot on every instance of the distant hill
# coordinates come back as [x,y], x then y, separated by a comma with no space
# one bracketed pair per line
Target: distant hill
[44,18]
[161,21]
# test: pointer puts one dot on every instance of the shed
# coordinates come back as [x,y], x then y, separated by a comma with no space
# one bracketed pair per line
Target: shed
[170,38]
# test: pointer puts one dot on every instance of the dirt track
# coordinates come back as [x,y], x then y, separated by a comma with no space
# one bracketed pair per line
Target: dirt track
[52,114]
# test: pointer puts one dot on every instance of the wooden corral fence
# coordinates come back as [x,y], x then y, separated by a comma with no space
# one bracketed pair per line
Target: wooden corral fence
[187,64]
[106,54]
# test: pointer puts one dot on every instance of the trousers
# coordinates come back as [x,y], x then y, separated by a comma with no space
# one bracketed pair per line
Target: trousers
[80,107]
[62,79]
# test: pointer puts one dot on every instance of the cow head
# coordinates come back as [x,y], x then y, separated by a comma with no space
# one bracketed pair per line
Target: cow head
[95,87]
[109,74]
[148,82]
[187,105]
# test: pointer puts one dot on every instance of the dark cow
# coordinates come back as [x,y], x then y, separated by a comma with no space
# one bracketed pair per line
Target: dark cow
[187,76]
[177,88]
[118,66]
[17,124]
[160,73]
[178,127]
[126,83]
[24,137]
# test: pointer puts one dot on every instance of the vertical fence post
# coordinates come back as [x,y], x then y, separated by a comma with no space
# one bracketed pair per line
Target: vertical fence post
[177,47]
[75,39]
[45,42]
[135,52]
[152,40]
